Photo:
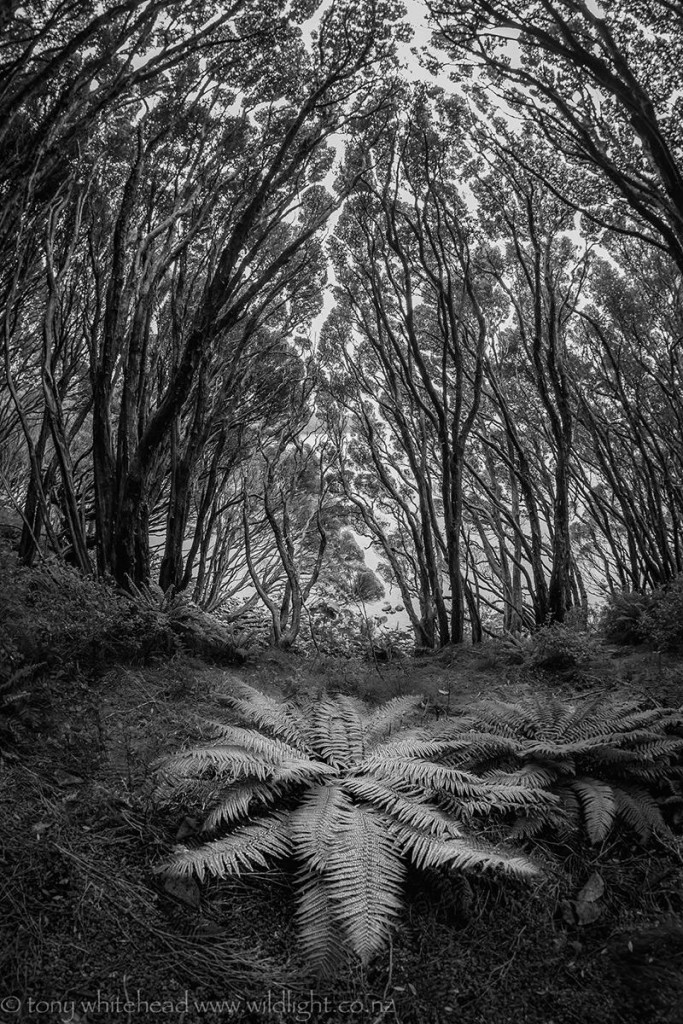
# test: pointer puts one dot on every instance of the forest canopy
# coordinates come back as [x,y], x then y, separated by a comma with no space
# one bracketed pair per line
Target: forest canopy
[306,305]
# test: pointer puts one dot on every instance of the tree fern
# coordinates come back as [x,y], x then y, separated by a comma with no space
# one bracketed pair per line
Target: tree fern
[604,760]
[361,794]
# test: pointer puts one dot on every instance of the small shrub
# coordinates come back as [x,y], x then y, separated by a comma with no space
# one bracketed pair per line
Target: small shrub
[621,620]
[54,615]
[183,622]
[203,634]
[559,647]
[661,623]
[353,796]
[391,645]
[655,619]
[138,635]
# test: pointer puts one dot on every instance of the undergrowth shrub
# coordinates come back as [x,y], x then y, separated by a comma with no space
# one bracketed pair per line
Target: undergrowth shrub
[184,623]
[52,614]
[621,620]
[351,795]
[610,764]
[559,647]
[662,621]
[655,619]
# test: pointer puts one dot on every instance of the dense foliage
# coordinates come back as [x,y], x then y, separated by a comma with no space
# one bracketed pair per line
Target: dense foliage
[287,299]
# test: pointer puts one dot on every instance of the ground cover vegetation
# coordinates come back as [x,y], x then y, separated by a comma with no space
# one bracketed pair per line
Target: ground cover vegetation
[456,834]
[341,494]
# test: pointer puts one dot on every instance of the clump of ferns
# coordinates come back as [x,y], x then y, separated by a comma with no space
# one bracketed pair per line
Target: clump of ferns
[610,764]
[351,796]
[16,703]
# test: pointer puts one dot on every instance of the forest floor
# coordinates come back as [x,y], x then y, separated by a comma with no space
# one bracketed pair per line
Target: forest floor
[89,933]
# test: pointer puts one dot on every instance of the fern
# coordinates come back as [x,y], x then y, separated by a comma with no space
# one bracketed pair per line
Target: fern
[15,703]
[360,795]
[605,761]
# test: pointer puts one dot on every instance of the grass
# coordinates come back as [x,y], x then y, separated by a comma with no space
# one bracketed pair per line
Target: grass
[82,912]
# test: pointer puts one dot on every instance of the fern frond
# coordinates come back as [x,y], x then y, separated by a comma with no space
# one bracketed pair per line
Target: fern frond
[15,677]
[224,759]
[409,809]
[328,735]
[534,776]
[257,708]
[599,808]
[508,797]
[235,803]
[168,788]
[366,875]
[458,792]
[639,811]
[424,775]
[316,821]
[502,719]
[320,935]
[586,720]
[652,774]
[390,716]
[528,826]
[351,713]
[570,804]
[462,854]
[546,718]
[651,746]
[504,797]
[533,718]
[556,750]
[302,772]
[623,718]
[414,746]
[440,779]
[477,746]
[247,847]
[255,742]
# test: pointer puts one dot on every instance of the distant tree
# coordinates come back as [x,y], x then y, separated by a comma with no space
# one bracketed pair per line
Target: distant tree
[286,502]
